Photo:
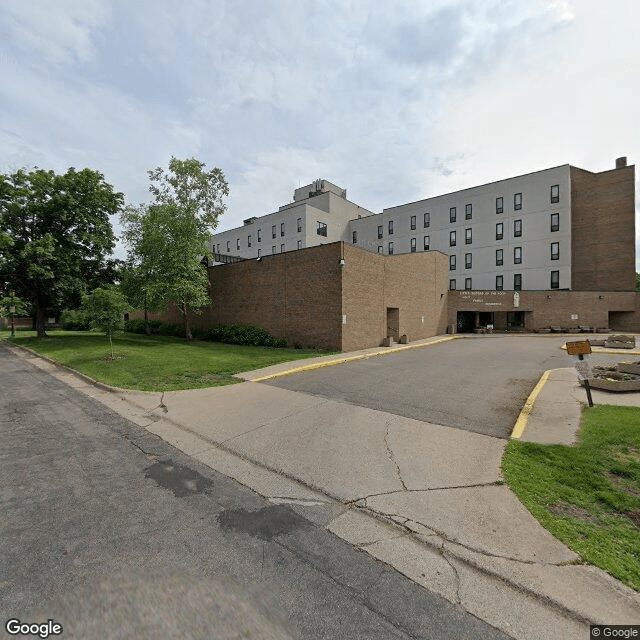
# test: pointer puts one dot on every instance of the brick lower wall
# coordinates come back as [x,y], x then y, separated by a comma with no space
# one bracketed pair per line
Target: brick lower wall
[413,283]
[543,309]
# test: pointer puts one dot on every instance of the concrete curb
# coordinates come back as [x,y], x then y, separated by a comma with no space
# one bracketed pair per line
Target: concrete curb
[523,418]
[382,351]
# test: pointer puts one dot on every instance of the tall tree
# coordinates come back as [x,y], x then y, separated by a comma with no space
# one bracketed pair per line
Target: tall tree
[57,235]
[168,238]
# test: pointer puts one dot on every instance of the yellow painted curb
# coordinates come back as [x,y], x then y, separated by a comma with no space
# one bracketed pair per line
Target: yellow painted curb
[523,418]
[330,363]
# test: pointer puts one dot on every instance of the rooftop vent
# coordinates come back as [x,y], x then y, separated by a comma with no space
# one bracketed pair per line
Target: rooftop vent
[621,162]
[250,220]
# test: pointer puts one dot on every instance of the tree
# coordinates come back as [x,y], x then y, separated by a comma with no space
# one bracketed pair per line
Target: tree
[637,281]
[105,308]
[56,235]
[167,239]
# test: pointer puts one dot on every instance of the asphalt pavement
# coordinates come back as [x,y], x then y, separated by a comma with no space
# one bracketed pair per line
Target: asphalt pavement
[113,533]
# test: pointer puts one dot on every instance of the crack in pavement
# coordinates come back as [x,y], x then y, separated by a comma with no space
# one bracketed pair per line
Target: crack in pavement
[459,486]
[153,456]
[445,538]
[455,571]
[391,456]
[266,424]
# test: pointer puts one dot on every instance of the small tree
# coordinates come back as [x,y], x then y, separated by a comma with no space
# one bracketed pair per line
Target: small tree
[168,239]
[105,309]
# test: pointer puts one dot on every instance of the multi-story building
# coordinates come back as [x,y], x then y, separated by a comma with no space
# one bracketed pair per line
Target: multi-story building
[560,228]
[319,214]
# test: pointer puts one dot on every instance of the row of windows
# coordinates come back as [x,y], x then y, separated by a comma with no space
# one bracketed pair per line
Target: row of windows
[517,229]
[321,230]
[468,211]
[517,256]
[517,282]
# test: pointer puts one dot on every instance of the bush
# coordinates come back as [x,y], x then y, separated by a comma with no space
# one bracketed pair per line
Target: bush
[198,333]
[136,325]
[175,330]
[244,334]
[75,320]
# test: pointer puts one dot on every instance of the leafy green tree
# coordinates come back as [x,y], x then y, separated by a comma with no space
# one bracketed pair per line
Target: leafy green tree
[56,235]
[167,239]
[637,281]
[105,309]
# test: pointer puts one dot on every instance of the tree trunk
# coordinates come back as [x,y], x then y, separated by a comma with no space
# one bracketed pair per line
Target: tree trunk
[147,328]
[40,322]
[187,325]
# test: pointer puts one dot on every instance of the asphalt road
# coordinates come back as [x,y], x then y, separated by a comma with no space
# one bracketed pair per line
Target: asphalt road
[477,384]
[112,533]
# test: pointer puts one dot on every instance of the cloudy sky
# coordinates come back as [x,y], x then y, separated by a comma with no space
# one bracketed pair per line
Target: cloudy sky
[394,101]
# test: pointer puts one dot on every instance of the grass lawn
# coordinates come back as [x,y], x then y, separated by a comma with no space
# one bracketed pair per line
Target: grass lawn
[588,495]
[154,363]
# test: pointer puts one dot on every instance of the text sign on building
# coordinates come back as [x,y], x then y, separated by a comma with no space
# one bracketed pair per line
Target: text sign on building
[578,347]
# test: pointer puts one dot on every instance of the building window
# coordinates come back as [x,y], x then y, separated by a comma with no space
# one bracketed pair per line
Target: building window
[517,228]
[273,231]
[299,244]
[426,243]
[555,279]
[452,238]
[452,263]
[248,241]
[499,257]
[555,222]
[555,251]
[273,249]
[517,255]
[413,245]
[427,220]
[218,250]
[259,235]
[467,236]
[321,229]
[259,252]
[452,284]
[237,243]
[413,223]
[499,230]
[555,193]
[452,214]
[467,261]
[499,283]
[517,202]
[499,204]
[390,227]
[391,248]
[468,211]
[281,248]
[379,231]
[354,238]
[379,248]
[467,284]
[228,246]
[299,225]
[517,281]
[282,228]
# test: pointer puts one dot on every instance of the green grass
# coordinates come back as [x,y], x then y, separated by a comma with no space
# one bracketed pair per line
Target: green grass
[588,495]
[154,363]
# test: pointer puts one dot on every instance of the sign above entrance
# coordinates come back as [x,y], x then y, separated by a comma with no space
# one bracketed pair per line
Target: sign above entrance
[487,298]
[578,347]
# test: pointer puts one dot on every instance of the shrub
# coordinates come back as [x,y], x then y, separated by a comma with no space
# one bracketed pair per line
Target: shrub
[168,329]
[75,320]
[243,334]
[136,325]
[198,333]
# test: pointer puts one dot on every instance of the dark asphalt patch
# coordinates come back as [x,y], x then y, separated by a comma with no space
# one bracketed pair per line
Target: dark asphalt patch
[265,524]
[182,480]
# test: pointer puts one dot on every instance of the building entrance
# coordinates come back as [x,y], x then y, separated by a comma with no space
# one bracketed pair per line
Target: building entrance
[466,321]
[393,323]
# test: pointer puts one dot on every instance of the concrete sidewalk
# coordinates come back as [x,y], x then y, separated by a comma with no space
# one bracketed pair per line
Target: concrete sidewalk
[426,499]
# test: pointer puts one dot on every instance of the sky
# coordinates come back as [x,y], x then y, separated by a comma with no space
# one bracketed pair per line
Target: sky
[394,101]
